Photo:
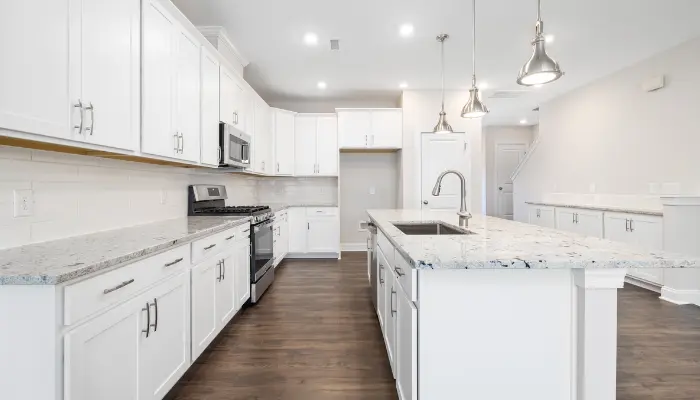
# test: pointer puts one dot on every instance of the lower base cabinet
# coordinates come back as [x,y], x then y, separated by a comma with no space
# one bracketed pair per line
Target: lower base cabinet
[406,351]
[314,231]
[136,351]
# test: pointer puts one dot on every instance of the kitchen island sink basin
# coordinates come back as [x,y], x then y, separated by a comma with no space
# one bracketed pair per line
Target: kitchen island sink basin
[431,228]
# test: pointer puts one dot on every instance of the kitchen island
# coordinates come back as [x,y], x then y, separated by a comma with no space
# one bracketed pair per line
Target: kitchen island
[505,311]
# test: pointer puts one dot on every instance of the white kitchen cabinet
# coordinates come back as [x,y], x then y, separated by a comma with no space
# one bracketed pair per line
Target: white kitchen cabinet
[406,350]
[135,351]
[281,236]
[225,290]
[542,216]
[584,222]
[242,270]
[370,128]
[283,143]
[644,231]
[313,231]
[316,145]
[204,299]
[233,107]
[262,139]
[390,293]
[297,230]
[382,271]
[323,234]
[171,86]
[164,355]
[210,108]
[101,356]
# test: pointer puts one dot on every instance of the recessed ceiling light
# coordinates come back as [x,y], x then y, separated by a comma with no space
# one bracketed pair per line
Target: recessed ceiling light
[523,121]
[549,38]
[322,85]
[311,39]
[403,85]
[406,30]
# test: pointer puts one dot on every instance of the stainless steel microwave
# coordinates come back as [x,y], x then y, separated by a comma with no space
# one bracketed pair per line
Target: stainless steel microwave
[234,147]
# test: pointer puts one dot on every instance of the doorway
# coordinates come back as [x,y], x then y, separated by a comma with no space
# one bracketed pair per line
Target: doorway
[440,152]
[508,157]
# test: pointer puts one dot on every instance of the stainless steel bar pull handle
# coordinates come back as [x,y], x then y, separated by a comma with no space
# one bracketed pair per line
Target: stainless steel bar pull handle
[155,324]
[391,304]
[399,271]
[170,264]
[91,128]
[211,246]
[631,225]
[223,269]
[176,136]
[627,225]
[79,105]
[119,286]
[218,266]
[147,309]
[230,237]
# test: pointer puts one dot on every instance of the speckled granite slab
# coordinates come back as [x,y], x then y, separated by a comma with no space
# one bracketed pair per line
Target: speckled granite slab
[503,244]
[599,208]
[60,261]
[279,207]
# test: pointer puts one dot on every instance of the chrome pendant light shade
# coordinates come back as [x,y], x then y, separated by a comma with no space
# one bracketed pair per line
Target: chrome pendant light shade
[442,125]
[540,68]
[474,107]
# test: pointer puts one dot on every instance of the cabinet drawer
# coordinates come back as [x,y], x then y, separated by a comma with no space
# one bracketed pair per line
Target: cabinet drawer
[214,244]
[85,298]
[386,247]
[316,211]
[406,276]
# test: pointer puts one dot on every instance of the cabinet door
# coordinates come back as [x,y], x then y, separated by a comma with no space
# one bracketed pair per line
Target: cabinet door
[565,219]
[210,109]
[617,228]
[323,234]
[390,293]
[204,326]
[262,140]
[276,240]
[547,218]
[354,128]
[327,146]
[284,236]
[382,268]
[159,135]
[533,215]
[406,348]
[305,127]
[34,72]
[188,95]
[298,230]
[284,142]
[165,355]
[387,129]
[647,232]
[227,95]
[242,279]
[225,289]
[102,355]
[589,223]
[109,80]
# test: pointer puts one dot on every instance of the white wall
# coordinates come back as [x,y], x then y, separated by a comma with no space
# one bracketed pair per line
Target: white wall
[420,114]
[329,106]
[359,173]
[613,138]
[493,136]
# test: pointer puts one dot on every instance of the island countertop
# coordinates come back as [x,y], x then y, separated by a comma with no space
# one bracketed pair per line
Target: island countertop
[502,244]
[59,261]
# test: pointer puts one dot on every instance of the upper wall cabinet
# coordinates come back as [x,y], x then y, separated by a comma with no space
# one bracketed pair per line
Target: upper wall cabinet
[58,80]
[210,109]
[262,137]
[233,100]
[283,143]
[171,86]
[370,128]
[316,145]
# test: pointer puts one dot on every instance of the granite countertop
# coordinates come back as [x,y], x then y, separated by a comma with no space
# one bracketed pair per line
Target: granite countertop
[59,261]
[283,206]
[503,244]
[599,208]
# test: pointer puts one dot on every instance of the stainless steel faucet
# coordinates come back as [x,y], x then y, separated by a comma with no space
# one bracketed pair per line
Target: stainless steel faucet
[464,215]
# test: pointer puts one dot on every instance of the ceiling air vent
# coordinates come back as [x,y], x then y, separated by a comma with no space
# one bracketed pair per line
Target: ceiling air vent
[507,94]
[335,44]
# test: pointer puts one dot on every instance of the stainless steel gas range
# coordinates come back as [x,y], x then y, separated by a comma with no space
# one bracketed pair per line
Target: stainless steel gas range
[210,200]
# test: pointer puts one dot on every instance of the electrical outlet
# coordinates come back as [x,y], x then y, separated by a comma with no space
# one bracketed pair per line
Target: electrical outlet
[163,197]
[591,188]
[372,190]
[24,203]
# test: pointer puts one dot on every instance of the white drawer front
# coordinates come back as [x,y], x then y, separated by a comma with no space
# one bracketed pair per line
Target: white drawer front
[406,276]
[87,297]
[212,245]
[386,247]
[312,211]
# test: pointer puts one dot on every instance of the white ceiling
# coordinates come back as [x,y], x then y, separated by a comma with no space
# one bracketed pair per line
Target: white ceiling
[593,38]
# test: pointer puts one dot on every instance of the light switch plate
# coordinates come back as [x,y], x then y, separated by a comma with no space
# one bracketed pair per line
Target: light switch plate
[23,203]
[163,197]
[372,190]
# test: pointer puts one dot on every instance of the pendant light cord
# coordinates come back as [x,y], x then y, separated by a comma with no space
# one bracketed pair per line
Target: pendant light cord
[442,63]
[474,43]
[539,10]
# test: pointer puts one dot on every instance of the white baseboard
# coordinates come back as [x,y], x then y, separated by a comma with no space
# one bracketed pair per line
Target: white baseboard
[680,296]
[353,246]
[642,284]
[313,255]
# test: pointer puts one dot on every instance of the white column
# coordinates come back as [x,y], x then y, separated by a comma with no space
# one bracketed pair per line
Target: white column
[682,236]
[595,330]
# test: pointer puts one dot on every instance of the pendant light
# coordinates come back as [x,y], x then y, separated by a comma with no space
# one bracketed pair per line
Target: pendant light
[541,68]
[442,125]
[474,107]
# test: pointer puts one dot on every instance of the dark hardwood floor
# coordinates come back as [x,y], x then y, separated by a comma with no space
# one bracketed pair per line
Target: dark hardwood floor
[315,336]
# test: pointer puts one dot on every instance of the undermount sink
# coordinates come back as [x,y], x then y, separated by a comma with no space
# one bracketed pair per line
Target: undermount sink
[431,228]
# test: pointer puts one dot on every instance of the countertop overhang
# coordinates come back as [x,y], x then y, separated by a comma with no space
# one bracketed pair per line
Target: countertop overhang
[503,244]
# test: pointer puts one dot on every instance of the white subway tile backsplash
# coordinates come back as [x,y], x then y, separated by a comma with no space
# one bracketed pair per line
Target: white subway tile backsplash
[15,153]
